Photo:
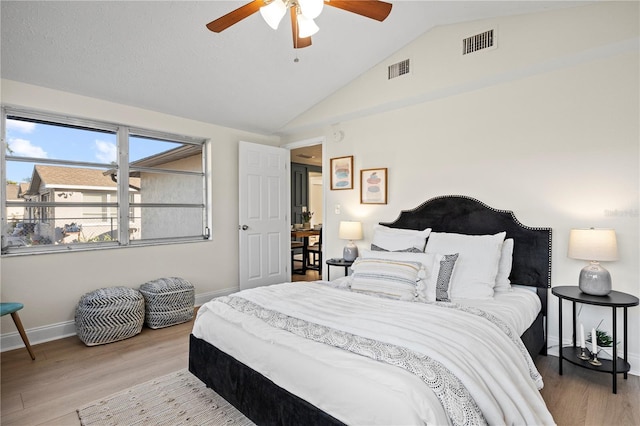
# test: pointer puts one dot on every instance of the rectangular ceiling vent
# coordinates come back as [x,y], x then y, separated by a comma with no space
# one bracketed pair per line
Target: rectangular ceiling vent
[477,42]
[398,69]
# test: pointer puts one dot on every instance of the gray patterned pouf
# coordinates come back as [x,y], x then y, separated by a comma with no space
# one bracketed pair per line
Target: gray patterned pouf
[109,314]
[169,301]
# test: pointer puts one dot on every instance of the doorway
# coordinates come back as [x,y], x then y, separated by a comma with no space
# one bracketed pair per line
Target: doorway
[307,195]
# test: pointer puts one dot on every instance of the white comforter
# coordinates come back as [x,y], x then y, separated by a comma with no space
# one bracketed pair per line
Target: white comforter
[497,373]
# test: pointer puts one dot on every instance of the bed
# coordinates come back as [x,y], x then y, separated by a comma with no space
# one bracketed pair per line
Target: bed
[343,352]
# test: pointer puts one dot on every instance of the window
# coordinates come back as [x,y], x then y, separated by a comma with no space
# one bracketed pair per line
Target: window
[72,183]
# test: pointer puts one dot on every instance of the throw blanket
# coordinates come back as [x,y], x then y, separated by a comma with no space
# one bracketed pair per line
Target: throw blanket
[453,396]
[478,369]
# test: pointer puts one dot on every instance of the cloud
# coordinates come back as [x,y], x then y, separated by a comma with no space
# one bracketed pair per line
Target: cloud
[20,126]
[107,152]
[23,147]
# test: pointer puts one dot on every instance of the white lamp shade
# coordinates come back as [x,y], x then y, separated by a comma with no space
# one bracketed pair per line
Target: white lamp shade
[593,244]
[350,230]
[306,26]
[311,8]
[273,13]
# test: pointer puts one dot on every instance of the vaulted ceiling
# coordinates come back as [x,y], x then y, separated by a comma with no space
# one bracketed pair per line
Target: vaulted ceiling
[160,56]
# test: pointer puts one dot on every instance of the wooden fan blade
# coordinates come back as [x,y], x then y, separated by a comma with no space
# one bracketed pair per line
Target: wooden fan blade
[235,16]
[298,43]
[378,10]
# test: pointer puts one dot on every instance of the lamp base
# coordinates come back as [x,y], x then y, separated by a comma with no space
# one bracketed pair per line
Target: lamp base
[595,280]
[350,252]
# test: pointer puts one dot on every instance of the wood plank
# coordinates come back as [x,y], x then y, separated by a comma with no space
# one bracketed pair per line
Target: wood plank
[67,374]
[584,397]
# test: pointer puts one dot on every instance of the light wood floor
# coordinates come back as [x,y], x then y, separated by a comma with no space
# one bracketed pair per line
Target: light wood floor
[67,374]
[310,276]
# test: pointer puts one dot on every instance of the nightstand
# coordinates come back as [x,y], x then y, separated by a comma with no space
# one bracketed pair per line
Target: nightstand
[613,300]
[339,262]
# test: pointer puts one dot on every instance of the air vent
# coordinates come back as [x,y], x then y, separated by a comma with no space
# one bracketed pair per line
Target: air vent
[396,70]
[477,42]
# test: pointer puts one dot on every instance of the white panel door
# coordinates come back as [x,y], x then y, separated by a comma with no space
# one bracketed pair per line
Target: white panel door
[264,229]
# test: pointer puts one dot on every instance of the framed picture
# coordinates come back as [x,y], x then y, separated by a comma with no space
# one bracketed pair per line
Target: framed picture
[373,186]
[342,172]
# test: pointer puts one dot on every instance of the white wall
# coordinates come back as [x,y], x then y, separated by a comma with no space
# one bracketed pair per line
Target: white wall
[50,285]
[546,125]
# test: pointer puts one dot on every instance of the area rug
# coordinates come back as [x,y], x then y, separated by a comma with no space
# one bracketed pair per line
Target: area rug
[175,399]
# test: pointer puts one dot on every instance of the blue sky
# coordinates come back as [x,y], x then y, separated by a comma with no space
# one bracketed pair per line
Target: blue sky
[56,142]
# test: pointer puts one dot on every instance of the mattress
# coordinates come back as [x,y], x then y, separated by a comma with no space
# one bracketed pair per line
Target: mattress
[518,307]
[357,389]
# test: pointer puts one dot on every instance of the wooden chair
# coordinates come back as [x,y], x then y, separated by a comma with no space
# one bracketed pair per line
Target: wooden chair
[314,255]
[13,308]
[297,250]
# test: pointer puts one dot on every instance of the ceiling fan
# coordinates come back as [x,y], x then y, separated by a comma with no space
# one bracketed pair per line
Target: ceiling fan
[302,13]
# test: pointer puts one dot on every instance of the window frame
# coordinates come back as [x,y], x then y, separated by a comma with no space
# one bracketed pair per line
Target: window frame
[124,205]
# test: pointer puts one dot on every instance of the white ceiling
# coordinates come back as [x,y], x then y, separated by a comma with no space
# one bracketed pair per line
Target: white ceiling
[158,55]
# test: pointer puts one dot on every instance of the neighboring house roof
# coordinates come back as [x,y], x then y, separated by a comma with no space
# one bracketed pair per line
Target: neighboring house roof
[174,154]
[71,177]
[24,187]
[12,191]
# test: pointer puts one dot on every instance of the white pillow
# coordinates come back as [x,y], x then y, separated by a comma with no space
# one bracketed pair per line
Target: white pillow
[387,277]
[474,276]
[504,267]
[394,239]
[431,263]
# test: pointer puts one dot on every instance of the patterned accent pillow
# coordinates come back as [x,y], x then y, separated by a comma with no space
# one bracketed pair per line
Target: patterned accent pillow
[386,277]
[407,250]
[444,277]
[399,239]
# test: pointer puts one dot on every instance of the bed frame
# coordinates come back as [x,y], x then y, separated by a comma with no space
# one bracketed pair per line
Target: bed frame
[265,403]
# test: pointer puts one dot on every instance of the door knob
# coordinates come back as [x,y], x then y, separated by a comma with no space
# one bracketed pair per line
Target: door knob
[244,227]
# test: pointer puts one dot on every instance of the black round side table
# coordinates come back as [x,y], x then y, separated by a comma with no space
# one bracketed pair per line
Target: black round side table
[614,300]
[339,262]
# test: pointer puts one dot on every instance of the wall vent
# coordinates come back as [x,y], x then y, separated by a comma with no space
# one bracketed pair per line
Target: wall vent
[398,69]
[477,42]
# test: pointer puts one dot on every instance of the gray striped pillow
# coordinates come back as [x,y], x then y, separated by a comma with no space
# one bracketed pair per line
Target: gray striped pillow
[386,277]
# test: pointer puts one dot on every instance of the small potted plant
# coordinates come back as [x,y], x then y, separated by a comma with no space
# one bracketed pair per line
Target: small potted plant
[306,219]
[603,341]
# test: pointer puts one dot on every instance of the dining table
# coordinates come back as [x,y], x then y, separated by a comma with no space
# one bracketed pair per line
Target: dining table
[304,234]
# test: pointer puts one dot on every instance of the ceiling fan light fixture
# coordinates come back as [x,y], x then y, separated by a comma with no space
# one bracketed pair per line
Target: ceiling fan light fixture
[306,26]
[311,8]
[273,13]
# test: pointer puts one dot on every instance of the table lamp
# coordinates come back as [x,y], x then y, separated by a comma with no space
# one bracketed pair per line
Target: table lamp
[594,245]
[350,230]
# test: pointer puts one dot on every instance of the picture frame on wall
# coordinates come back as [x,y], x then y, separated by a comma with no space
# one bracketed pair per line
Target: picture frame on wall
[341,172]
[373,186]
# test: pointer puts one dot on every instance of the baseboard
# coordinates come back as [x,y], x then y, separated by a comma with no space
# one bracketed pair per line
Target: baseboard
[203,298]
[632,358]
[10,341]
[47,333]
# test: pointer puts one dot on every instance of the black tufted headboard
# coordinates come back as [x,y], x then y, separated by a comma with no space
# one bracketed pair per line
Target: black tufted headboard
[466,215]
